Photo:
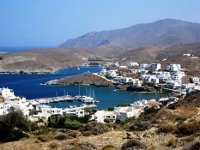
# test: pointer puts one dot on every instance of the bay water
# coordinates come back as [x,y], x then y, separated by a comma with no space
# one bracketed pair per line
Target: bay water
[31,86]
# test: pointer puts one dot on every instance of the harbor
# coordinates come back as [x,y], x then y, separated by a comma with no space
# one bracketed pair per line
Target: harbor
[87,101]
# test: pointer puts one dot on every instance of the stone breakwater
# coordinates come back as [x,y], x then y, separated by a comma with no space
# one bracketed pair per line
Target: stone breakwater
[89,79]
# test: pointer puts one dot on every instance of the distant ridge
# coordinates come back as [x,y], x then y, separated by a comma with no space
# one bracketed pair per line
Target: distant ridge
[163,32]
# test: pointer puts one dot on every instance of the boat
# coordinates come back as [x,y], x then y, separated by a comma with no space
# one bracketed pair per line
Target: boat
[68,98]
[78,68]
[88,106]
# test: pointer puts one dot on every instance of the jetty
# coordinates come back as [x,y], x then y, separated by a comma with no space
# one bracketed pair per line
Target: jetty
[55,99]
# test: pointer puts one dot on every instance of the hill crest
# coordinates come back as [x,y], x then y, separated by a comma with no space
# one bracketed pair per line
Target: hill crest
[162,32]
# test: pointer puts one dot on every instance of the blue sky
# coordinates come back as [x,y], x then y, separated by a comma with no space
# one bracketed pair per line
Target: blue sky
[48,23]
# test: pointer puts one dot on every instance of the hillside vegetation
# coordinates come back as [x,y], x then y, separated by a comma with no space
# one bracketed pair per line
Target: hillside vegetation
[166,128]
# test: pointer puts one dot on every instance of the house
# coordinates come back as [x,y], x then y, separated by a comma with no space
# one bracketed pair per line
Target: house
[125,80]
[187,55]
[139,71]
[4,107]
[132,64]
[122,67]
[144,66]
[172,84]
[153,103]
[7,93]
[136,83]
[112,73]
[164,76]
[80,112]
[149,78]
[178,76]
[155,66]
[103,116]
[127,113]
[195,80]
[173,67]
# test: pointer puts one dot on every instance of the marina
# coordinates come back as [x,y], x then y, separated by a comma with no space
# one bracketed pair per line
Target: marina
[52,95]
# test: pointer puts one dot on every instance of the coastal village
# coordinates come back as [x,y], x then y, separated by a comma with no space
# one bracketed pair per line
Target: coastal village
[169,79]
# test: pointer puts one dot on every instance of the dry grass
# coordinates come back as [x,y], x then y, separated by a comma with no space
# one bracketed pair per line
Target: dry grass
[172,142]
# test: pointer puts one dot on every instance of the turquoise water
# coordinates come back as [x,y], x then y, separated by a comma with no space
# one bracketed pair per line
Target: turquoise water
[30,86]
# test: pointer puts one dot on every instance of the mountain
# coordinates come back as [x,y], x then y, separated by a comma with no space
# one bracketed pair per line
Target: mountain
[41,60]
[163,32]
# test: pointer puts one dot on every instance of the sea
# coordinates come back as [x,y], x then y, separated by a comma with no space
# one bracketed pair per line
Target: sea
[32,86]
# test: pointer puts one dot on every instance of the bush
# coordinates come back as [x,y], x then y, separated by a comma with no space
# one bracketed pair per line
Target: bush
[140,126]
[172,141]
[74,134]
[127,120]
[84,146]
[133,144]
[44,130]
[13,125]
[188,128]
[109,147]
[45,138]
[194,146]
[72,124]
[167,128]
[60,136]
[87,133]
[95,128]
[53,145]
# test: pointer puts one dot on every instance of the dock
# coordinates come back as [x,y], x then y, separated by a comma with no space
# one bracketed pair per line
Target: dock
[67,98]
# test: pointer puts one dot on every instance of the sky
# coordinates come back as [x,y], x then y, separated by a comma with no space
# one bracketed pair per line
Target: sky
[49,23]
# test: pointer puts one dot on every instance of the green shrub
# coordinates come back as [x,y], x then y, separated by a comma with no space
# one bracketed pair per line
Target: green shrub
[127,120]
[44,130]
[72,124]
[13,125]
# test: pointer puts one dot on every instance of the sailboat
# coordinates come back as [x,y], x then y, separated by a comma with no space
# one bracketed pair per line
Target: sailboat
[68,97]
[78,97]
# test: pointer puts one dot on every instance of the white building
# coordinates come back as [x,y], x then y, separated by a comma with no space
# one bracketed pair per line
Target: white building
[173,67]
[155,66]
[172,84]
[139,71]
[195,80]
[4,107]
[144,66]
[132,64]
[136,83]
[164,76]
[103,115]
[7,93]
[178,76]
[187,55]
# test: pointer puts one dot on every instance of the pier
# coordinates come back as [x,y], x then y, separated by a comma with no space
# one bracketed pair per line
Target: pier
[67,98]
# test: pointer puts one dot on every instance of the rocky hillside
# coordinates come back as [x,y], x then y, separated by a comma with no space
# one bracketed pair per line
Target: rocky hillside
[89,79]
[41,60]
[163,32]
